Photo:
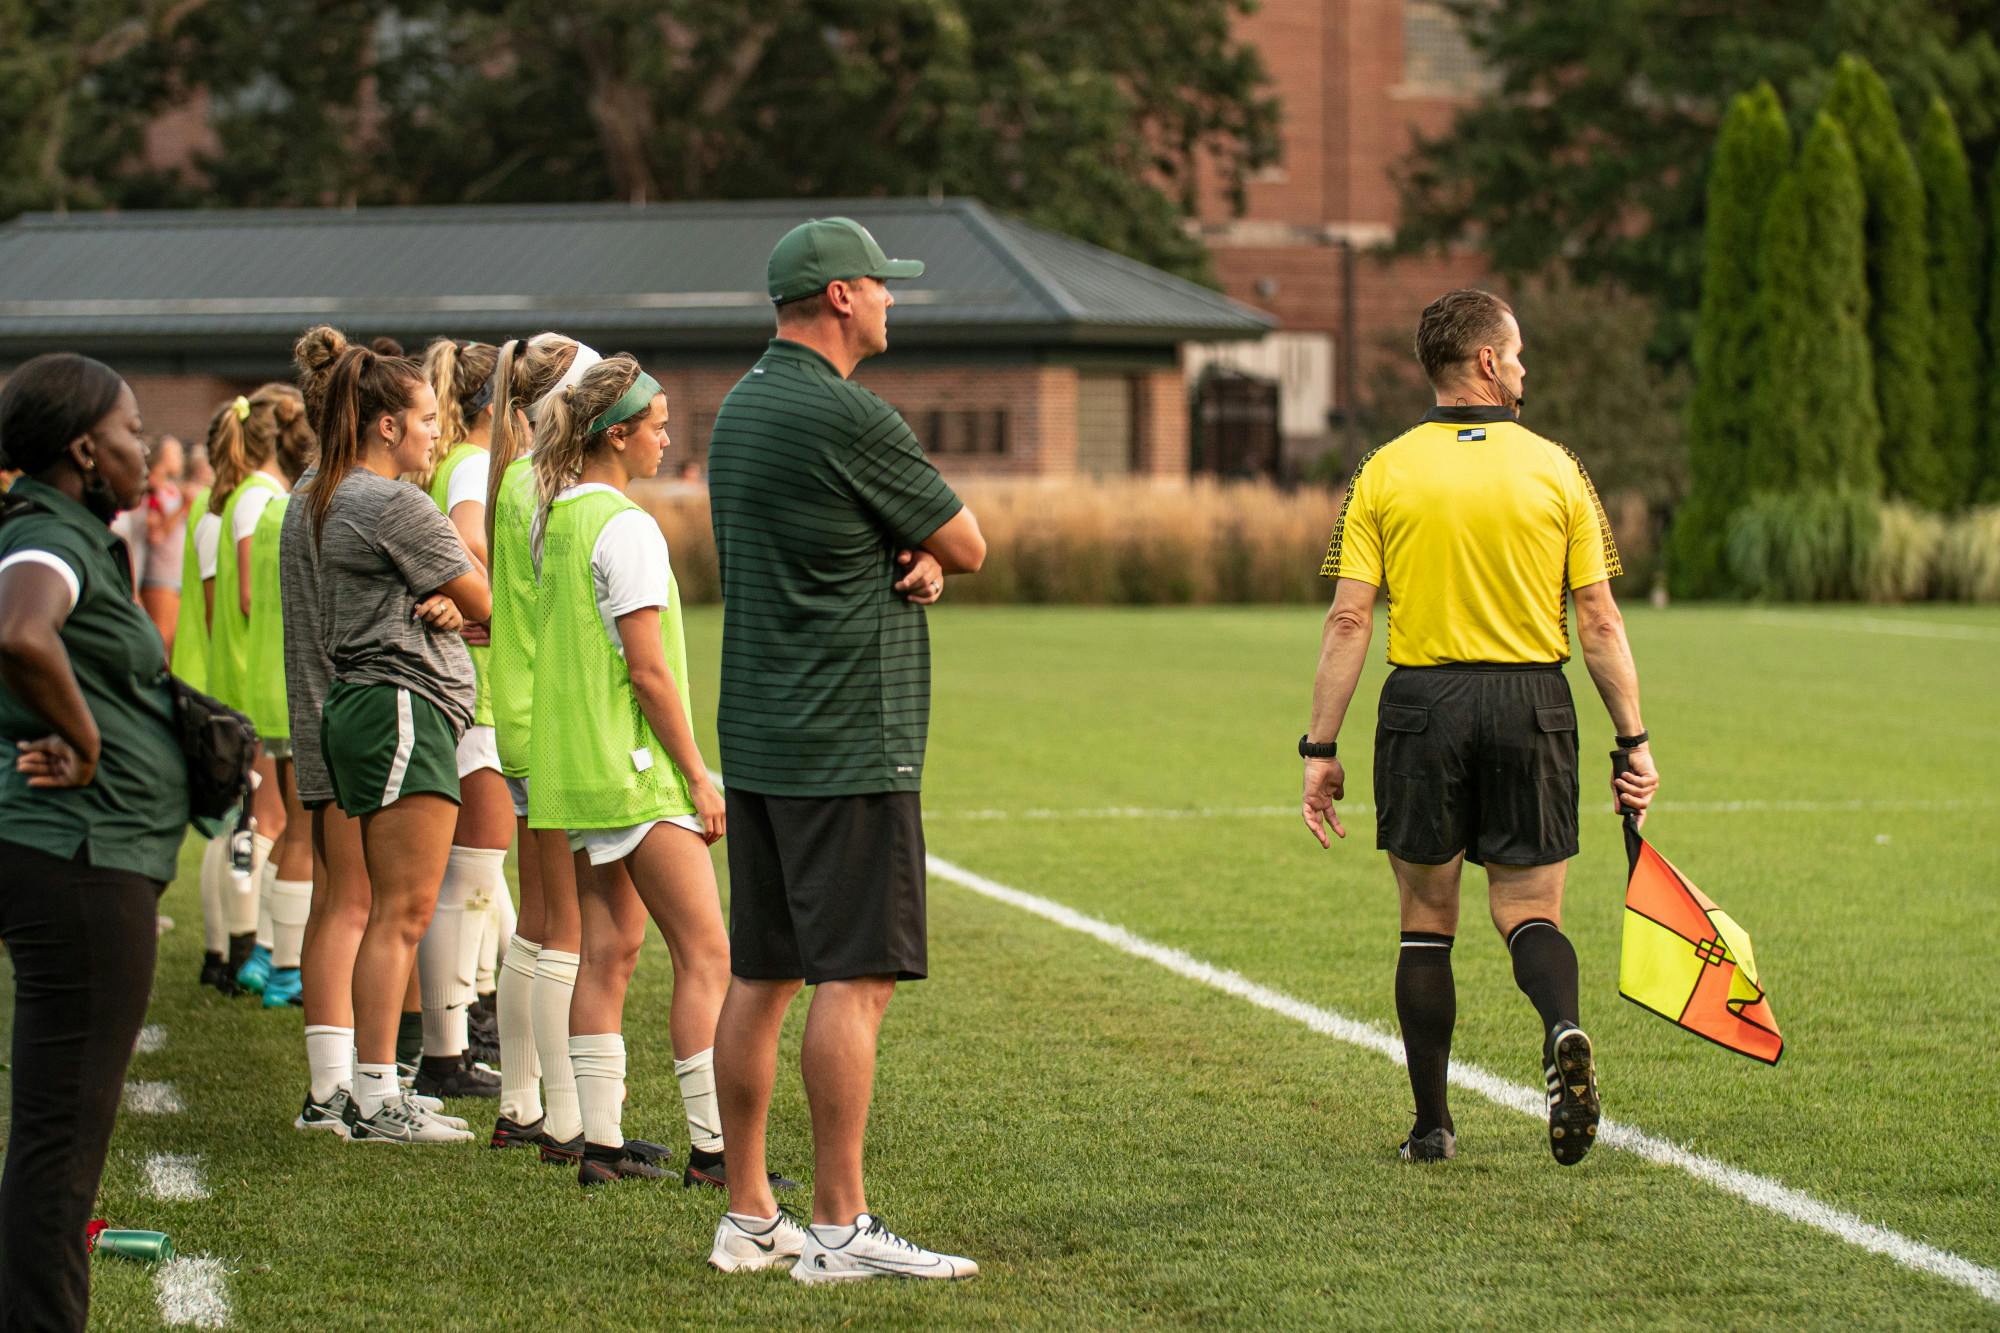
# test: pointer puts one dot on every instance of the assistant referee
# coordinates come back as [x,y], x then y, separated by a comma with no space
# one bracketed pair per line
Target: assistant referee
[1472,527]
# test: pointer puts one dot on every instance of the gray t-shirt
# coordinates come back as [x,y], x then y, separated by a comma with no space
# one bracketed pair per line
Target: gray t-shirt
[308,668]
[385,546]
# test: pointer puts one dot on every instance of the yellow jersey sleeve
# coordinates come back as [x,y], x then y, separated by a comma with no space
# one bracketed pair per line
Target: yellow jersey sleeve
[1593,555]
[1355,551]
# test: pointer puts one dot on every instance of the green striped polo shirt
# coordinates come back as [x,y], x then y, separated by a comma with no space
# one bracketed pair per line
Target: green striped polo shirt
[814,484]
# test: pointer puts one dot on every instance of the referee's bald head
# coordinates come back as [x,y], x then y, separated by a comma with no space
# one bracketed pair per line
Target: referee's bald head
[1454,327]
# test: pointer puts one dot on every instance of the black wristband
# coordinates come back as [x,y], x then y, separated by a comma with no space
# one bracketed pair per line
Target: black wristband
[1310,750]
[1632,742]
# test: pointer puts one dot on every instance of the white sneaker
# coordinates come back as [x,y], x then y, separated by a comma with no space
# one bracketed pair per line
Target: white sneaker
[745,1249]
[435,1109]
[872,1250]
[402,1121]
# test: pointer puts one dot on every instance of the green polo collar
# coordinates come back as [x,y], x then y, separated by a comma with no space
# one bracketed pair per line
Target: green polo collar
[66,509]
[801,353]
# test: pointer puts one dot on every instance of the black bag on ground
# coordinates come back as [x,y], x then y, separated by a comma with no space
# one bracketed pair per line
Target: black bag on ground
[220,746]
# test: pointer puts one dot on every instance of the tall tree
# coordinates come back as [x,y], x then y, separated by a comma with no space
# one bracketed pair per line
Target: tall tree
[1589,148]
[1900,323]
[1989,470]
[1956,267]
[1816,423]
[1751,154]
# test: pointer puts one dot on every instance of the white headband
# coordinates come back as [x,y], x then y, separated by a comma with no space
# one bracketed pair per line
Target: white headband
[584,359]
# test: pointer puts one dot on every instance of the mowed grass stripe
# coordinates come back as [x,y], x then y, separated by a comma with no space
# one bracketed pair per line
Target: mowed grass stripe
[1746,1185]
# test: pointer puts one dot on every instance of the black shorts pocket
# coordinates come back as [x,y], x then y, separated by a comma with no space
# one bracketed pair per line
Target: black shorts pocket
[1406,718]
[1556,717]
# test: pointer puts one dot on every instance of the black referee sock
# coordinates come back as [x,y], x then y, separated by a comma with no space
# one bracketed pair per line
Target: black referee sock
[1427,1009]
[1545,970]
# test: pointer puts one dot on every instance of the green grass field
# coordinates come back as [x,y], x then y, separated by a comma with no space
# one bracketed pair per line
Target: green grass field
[1120,1146]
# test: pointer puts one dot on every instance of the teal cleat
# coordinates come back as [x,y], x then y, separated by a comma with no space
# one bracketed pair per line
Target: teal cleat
[256,970]
[284,987]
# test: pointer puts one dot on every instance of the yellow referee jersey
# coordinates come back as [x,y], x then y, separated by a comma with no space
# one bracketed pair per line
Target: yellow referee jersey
[1475,527]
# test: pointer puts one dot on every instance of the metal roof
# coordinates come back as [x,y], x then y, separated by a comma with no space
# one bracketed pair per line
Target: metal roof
[662,275]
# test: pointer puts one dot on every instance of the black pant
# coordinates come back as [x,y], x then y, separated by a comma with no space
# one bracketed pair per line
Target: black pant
[82,939]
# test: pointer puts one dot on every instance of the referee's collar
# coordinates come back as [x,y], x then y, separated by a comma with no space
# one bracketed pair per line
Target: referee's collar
[1482,415]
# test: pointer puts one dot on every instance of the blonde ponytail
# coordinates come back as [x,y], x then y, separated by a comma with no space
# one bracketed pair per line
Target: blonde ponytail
[562,441]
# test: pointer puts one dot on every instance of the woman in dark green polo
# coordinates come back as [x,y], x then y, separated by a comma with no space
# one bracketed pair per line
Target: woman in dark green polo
[93,802]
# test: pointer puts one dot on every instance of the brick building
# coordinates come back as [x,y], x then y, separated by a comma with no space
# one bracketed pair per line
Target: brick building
[1359,80]
[1019,352]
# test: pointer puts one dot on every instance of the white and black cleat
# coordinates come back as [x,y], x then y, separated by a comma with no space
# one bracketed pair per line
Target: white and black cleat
[746,1245]
[871,1250]
[1573,1105]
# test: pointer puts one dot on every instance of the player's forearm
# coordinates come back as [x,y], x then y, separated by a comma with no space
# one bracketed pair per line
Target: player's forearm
[1607,654]
[660,701]
[1343,648]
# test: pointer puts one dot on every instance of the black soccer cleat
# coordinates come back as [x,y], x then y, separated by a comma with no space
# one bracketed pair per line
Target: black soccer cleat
[709,1169]
[561,1152]
[1440,1145]
[1573,1103]
[216,972]
[512,1134]
[454,1076]
[601,1166]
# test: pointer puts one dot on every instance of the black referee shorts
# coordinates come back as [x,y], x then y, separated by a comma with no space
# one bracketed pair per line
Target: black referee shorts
[826,888]
[1479,759]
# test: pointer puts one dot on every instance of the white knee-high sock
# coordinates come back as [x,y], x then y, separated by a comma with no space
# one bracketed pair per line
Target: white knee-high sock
[265,887]
[374,1085]
[443,999]
[520,1071]
[243,896]
[697,1080]
[599,1062]
[493,941]
[330,1057]
[291,904]
[214,881]
[482,870]
[555,984]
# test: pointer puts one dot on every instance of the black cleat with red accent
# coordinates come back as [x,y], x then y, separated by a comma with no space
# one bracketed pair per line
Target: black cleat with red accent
[709,1168]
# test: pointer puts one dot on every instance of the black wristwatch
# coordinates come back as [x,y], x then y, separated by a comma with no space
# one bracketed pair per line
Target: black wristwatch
[1308,750]
[1632,742]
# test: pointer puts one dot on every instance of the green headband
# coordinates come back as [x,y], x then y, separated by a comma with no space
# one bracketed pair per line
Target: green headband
[636,400]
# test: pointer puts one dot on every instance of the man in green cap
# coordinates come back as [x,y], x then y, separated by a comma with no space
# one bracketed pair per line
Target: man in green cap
[833,532]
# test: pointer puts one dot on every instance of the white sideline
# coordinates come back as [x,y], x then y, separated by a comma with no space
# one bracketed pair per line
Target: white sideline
[147,1097]
[191,1292]
[152,1039]
[1749,807]
[175,1177]
[1759,1190]
[1912,629]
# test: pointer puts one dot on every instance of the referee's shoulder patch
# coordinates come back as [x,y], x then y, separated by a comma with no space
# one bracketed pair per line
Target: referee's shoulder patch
[1471,433]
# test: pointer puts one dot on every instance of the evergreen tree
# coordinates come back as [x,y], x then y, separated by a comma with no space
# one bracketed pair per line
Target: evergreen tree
[1957,360]
[1815,425]
[1751,154]
[1900,316]
[1989,471]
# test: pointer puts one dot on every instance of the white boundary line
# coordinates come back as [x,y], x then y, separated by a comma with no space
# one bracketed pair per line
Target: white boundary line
[1911,629]
[152,1039]
[1750,807]
[175,1177]
[192,1292]
[149,1097]
[1759,1190]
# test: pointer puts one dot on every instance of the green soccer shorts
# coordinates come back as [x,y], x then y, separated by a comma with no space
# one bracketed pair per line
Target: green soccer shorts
[382,743]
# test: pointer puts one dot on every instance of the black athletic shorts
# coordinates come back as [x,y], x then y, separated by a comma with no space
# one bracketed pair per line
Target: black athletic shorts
[1479,759]
[826,888]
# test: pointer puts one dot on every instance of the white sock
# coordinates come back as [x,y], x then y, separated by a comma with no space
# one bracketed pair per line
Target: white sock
[599,1062]
[243,896]
[265,935]
[697,1079]
[520,1071]
[374,1085]
[291,904]
[443,999]
[499,932]
[214,878]
[330,1056]
[480,869]
[555,984]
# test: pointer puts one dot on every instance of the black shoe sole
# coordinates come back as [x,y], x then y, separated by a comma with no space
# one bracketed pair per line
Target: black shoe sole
[590,1173]
[1573,1118]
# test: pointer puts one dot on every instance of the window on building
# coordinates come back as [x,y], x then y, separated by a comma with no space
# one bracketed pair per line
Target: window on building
[966,432]
[1437,59]
[1107,438]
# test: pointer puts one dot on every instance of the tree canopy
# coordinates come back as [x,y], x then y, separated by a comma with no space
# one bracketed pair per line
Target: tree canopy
[1091,119]
[1957,268]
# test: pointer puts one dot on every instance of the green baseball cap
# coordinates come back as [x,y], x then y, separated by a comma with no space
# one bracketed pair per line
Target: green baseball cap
[825,250]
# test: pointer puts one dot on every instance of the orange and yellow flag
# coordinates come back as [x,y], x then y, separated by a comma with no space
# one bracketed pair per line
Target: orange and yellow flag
[1688,961]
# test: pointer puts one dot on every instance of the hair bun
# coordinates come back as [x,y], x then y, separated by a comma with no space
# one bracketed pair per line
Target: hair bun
[318,348]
